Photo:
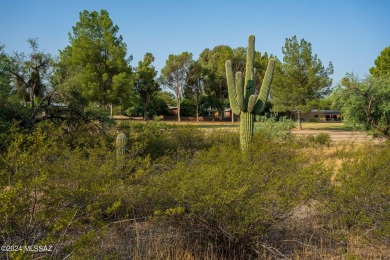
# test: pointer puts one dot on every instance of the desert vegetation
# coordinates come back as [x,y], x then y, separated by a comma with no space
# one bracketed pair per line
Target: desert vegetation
[181,192]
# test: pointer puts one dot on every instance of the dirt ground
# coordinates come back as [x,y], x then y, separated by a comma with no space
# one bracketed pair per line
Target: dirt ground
[336,130]
[337,135]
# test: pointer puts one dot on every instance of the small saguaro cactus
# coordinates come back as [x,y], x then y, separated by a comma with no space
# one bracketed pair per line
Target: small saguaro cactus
[245,100]
[121,142]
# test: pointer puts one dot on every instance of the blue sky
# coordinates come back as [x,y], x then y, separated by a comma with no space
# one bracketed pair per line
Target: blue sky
[350,34]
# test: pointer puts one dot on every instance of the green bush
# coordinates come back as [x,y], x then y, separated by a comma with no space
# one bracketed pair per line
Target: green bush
[360,200]
[314,120]
[157,139]
[320,139]
[273,128]
[49,190]
[236,196]
[323,138]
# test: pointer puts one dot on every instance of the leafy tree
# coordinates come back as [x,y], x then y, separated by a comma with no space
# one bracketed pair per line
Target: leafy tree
[213,63]
[382,63]
[195,85]
[29,94]
[300,79]
[28,73]
[26,86]
[5,84]
[167,97]
[144,80]
[206,103]
[158,104]
[260,61]
[6,113]
[94,64]
[365,103]
[176,75]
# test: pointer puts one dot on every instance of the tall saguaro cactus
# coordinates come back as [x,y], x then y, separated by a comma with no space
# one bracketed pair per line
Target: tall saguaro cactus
[245,100]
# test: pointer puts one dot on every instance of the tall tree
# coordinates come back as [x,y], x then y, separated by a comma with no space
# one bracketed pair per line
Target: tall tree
[29,73]
[195,84]
[5,84]
[365,103]
[176,75]
[95,60]
[27,78]
[213,63]
[6,114]
[144,80]
[160,102]
[300,80]
[382,63]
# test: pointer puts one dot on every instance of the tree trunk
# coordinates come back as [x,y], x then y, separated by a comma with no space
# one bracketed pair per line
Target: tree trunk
[197,108]
[32,99]
[144,105]
[299,120]
[110,105]
[232,115]
[246,129]
[178,110]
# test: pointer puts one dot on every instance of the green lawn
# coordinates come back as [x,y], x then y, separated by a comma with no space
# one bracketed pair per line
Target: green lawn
[228,125]
[324,126]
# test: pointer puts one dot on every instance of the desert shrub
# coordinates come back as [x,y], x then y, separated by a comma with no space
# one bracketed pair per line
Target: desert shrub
[323,139]
[148,139]
[271,127]
[188,139]
[62,196]
[320,139]
[65,188]
[236,197]
[156,139]
[86,136]
[21,183]
[360,201]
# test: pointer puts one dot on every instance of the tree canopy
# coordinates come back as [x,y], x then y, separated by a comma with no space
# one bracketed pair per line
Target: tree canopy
[195,85]
[382,63]
[300,79]
[145,83]
[176,74]
[365,103]
[28,74]
[26,91]
[94,63]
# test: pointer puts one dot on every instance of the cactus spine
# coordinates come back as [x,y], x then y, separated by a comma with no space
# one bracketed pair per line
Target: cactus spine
[244,100]
[121,142]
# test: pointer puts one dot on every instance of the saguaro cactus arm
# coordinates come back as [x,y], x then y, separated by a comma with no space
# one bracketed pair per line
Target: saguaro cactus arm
[232,88]
[249,72]
[265,87]
[240,92]
[252,103]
